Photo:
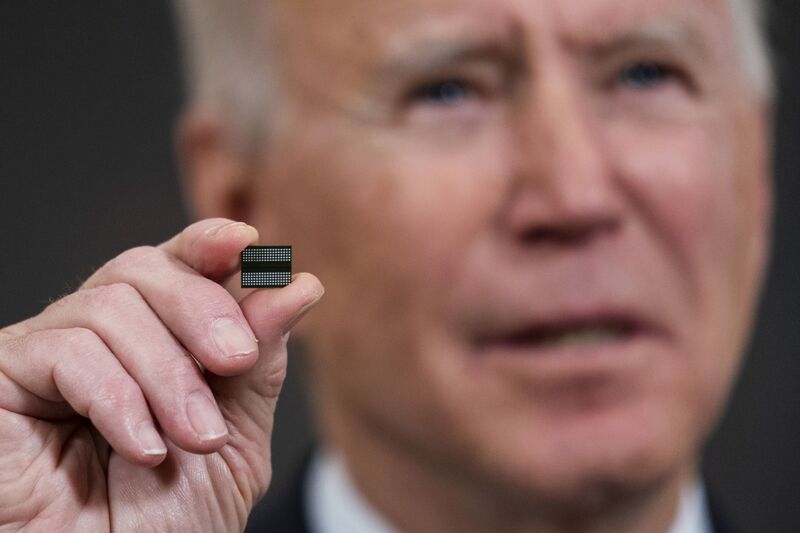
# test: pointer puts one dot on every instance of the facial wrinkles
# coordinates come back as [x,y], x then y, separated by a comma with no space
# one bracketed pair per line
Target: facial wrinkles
[593,20]
[563,14]
[368,32]
[697,33]
[390,353]
[645,172]
[353,53]
[700,183]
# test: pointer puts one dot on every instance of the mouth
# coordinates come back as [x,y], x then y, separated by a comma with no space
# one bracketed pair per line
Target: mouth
[584,342]
[567,334]
[578,355]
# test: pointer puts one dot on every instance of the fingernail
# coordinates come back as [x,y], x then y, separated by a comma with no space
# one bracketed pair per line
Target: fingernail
[149,439]
[231,338]
[301,313]
[204,417]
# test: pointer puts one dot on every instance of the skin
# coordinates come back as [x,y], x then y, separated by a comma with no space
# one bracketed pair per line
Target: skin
[552,184]
[81,381]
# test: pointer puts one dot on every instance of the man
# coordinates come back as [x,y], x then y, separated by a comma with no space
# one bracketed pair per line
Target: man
[542,226]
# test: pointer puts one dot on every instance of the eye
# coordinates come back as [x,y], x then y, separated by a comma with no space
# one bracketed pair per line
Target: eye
[645,75]
[445,93]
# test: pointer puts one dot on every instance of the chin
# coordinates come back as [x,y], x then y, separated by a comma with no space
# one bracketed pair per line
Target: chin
[590,459]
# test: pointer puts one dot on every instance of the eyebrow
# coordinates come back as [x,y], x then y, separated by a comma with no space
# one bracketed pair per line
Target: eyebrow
[436,55]
[508,49]
[662,33]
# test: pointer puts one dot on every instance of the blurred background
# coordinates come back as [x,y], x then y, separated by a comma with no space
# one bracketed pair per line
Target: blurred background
[89,92]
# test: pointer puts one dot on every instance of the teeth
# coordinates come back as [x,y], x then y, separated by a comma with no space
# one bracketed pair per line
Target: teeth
[586,335]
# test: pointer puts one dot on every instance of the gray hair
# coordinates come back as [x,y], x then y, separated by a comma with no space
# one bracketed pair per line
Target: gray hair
[227,64]
[225,60]
[750,24]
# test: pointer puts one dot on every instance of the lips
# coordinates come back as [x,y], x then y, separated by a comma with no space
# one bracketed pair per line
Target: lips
[568,332]
[552,355]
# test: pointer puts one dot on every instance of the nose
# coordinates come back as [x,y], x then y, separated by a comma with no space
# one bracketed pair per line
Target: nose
[562,189]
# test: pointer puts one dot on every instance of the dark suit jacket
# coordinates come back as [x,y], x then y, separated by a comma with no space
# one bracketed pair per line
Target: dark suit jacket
[286,512]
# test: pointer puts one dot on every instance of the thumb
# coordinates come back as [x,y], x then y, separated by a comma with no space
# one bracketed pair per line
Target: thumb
[272,313]
[248,399]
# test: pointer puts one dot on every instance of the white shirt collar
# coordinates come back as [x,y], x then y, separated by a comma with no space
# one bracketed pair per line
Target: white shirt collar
[693,516]
[335,506]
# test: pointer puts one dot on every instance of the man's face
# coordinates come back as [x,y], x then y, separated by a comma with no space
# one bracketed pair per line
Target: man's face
[541,225]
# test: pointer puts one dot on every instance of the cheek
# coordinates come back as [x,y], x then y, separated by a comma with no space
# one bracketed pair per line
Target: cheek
[445,202]
[679,184]
[682,182]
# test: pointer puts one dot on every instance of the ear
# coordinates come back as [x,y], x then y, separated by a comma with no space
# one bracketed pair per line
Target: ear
[214,170]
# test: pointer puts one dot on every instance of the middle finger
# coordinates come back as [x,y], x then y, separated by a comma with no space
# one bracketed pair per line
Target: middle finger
[199,312]
[169,377]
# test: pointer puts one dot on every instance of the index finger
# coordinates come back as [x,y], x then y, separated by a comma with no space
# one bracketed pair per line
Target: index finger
[212,246]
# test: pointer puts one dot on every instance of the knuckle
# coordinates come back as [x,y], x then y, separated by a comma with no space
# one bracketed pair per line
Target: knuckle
[115,395]
[200,299]
[204,298]
[126,392]
[81,340]
[186,285]
[138,257]
[114,293]
[184,374]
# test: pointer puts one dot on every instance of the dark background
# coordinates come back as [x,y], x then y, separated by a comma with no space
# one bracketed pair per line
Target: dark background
[88,95]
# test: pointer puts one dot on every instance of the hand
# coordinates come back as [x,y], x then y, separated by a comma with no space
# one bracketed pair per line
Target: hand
[108,423]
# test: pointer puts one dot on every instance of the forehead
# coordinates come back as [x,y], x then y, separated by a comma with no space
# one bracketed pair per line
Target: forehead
[366,24]
[327,48]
